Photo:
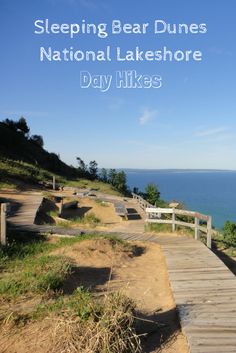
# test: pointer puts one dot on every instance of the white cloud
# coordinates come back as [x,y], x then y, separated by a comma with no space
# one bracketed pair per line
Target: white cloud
[147,116]
[211,132]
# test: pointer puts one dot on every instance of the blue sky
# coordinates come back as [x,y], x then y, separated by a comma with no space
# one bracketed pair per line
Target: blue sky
[188,123]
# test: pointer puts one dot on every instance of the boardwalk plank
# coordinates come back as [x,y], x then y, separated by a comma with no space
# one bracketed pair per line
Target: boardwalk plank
[198,279]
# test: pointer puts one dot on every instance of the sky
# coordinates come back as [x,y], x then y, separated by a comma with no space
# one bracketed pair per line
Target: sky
[190,122]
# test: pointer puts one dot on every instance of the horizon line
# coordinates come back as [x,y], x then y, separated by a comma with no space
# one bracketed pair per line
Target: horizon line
[173,169]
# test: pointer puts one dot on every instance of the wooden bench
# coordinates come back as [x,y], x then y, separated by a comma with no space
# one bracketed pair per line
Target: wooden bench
[121,211]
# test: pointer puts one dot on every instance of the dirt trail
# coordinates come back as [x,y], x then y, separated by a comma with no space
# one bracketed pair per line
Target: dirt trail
[145,280]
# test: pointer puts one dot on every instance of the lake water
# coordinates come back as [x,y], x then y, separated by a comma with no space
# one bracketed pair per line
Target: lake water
[209,192]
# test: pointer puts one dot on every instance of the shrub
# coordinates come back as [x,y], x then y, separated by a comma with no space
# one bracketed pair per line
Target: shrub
[229,233]
[152,194]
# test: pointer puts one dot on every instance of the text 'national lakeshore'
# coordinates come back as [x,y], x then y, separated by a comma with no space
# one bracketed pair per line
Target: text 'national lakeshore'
[118,54]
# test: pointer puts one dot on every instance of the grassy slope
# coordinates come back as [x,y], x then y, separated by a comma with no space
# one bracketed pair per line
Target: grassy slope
[28,269]
[98,185]
[21,161]
[13,173]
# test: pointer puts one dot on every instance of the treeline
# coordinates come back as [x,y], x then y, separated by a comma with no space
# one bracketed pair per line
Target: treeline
[85,171]
[18,144]
[20,126]
[111,176]
[116,178]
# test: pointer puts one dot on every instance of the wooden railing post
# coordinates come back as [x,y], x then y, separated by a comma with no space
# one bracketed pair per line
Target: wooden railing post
[61,207]
[3,223]
[54,182]
[173,220]
[154,216]
[209,227]
[196,228]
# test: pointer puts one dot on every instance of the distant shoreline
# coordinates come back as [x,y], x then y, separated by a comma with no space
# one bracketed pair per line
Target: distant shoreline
[177,170]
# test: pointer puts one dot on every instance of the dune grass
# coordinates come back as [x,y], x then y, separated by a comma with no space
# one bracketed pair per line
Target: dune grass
[97,185]
[79,322]
[89,219]
[14,172]
[28,267]
[167,228]
[36,275]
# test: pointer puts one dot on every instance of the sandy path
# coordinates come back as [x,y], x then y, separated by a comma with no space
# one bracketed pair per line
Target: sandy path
[144,279]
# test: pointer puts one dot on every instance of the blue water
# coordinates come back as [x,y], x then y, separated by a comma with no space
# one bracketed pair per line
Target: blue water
[209,192]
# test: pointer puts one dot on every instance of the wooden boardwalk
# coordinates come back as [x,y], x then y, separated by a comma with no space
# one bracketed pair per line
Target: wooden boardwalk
[23,210]
[204,289]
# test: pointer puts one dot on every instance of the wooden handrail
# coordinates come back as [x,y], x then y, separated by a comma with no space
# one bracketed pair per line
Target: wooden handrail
[142,203]
[154,215]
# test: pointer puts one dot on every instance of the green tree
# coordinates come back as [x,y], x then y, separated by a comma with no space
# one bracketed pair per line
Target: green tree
[22,126]
[103,175]
[18,126]
[93,170]
[38,140]
[82,168]
[112,176]
[11,124]
[152,194]
[120,181]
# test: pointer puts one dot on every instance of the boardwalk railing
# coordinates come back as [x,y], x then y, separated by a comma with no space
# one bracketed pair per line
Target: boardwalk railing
[154,215]
[197,221]
[142,203]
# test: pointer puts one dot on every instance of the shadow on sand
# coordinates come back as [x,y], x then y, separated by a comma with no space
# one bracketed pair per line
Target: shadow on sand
[159,329]
[88,277]
[79,212]
[227,260]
